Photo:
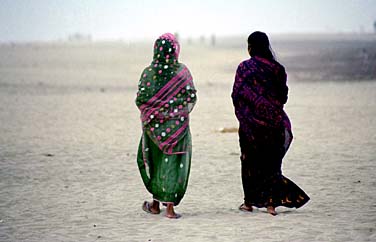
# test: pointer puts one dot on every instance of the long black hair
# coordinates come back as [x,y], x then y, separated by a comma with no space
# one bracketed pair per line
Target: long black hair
[258,45]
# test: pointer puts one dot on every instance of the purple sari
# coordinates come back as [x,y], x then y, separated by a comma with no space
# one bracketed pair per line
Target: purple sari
[259,94]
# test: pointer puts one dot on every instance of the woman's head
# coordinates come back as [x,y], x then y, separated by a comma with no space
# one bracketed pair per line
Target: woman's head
[258,45]
[166,47]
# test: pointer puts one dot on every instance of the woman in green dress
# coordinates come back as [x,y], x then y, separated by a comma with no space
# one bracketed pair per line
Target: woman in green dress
[165,97]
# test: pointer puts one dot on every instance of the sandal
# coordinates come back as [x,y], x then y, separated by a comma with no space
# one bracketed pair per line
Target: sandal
[176,216]
[271,211]
[245,208]
[147,208]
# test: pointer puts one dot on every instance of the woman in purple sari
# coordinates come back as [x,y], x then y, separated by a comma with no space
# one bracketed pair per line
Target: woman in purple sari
[259,94]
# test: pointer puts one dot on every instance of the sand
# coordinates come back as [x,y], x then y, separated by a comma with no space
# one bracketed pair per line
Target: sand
[69,134]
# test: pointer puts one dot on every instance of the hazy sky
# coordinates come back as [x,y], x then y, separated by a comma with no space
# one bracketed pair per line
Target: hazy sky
[25,20]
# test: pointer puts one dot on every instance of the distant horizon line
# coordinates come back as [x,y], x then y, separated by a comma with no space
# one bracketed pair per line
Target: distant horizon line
[90,39]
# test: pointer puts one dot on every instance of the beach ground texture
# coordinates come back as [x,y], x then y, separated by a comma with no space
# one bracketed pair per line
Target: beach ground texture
[70,129]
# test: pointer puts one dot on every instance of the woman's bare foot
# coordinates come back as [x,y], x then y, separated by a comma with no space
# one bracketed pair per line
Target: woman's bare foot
[152,207]
[170,212]
[271,210]
[245,208]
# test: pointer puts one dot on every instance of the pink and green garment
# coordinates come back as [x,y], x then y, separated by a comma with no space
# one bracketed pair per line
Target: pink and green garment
[166,95]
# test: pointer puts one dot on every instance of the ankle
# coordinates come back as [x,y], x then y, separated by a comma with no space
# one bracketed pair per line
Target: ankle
[155,205]
[271,210]
[170,208]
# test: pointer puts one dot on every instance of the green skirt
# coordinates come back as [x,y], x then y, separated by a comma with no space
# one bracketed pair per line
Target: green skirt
[165,176]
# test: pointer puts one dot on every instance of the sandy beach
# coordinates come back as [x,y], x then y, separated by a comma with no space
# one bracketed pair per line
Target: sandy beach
[70,129]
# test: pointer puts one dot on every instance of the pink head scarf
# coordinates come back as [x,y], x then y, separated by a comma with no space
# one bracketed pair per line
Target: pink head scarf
[174,40]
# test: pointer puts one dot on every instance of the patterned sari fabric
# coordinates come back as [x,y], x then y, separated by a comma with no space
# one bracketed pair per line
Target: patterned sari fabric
[166,95]
[259,94]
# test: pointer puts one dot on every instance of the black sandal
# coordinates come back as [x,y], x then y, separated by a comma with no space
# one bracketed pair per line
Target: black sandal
[245,208]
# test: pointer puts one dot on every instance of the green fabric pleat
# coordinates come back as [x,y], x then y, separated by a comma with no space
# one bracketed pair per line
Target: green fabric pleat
[165,176]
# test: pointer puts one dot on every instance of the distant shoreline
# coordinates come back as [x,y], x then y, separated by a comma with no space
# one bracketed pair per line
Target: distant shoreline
[306,57]
[276,36]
